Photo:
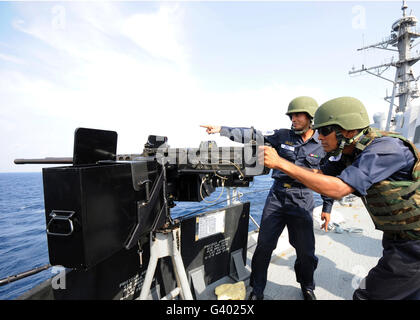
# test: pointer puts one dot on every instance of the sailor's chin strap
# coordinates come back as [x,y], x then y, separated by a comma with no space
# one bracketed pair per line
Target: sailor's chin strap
[300,132]
[343,141]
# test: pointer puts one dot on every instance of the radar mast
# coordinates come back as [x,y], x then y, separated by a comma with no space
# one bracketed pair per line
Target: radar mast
[403,112]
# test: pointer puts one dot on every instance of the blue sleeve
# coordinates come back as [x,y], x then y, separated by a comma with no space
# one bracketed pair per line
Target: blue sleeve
[327,204]
[379,161]
[327,201]
[332,168]
[245,135]
[241,135]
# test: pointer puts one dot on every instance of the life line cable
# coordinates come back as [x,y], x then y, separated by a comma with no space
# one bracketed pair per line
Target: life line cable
[215,204]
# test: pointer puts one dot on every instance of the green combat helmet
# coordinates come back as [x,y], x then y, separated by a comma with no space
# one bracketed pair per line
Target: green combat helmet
[345,112]
[302,104]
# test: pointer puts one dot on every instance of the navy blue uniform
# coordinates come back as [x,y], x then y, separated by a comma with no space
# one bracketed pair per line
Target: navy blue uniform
[289,203]
[397,274]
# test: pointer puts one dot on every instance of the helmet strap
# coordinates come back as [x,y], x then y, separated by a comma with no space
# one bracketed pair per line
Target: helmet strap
[300,132]
[343,141]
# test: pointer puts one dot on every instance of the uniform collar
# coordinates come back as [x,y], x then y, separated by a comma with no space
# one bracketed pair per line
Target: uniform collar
[314,137]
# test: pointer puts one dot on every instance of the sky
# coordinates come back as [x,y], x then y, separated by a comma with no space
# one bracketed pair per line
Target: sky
[165,68]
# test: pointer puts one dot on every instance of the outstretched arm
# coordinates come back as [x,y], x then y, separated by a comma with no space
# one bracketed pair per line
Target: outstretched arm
[237,134]
[314,179]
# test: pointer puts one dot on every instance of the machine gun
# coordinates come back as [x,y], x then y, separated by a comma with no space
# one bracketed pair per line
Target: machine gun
[105,202]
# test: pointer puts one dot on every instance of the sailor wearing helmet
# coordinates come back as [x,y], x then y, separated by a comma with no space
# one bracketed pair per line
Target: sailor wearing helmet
[382,168]
[289,203]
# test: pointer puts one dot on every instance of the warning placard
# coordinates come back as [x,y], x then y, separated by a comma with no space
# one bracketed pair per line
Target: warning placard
[210,224]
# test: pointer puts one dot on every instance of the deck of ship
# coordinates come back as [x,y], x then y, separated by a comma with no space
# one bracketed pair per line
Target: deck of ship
[344,258]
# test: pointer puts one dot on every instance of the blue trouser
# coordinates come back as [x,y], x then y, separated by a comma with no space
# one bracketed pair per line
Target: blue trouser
[397,274]
[292,208]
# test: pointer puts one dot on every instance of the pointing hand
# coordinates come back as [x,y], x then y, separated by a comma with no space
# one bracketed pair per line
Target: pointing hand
[212,129]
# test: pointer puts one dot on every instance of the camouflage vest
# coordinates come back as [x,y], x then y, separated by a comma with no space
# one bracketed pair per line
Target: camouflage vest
[394,206]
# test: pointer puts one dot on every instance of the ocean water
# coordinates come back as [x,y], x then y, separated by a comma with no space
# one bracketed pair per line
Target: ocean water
[23,240]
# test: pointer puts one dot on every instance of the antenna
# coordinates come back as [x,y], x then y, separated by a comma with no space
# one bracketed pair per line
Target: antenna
[404,85]
[404,7]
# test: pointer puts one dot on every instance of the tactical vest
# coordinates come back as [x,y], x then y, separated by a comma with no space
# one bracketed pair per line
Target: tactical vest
[394,206]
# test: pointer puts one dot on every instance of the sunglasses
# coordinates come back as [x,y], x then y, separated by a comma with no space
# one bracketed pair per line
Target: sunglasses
[325,131]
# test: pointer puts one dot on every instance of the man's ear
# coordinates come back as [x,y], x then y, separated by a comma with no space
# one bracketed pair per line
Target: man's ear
[349,133]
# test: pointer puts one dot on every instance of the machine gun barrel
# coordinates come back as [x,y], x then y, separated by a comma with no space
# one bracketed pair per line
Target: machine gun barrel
[49,160]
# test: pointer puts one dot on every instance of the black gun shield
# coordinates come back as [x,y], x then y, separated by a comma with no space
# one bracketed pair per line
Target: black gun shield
[214,251]
[93,145]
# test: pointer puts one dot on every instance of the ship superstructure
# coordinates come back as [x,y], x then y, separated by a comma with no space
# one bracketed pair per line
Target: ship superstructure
[403,103]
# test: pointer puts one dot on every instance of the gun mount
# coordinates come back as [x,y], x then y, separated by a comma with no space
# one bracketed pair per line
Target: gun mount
[105,202]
